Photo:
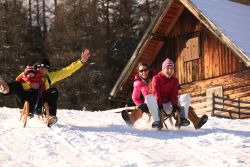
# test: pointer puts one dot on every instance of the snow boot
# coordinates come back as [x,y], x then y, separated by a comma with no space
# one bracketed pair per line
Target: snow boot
[130,119]
[202,121]
[125,117]
[157,124]
[197,121]
[183,122]
[52,121]
[4,88]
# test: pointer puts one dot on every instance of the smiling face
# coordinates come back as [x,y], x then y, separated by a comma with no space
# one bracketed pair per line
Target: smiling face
[43,70]
[143,71]
[168,71]
[30,75]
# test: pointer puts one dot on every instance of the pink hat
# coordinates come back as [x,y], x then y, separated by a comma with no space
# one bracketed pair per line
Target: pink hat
[166,63]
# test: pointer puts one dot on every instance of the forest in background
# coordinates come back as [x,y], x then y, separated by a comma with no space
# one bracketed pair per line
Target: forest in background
[60,29]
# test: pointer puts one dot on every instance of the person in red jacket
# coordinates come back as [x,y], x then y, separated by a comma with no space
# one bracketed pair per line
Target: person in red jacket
[32,76]
[142,86]
[166,88]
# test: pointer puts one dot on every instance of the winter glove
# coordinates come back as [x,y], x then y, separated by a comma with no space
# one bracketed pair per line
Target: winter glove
[175,109]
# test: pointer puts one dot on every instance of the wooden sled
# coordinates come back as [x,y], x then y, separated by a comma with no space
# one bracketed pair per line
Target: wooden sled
[161,113]
[165,116]
[25,113]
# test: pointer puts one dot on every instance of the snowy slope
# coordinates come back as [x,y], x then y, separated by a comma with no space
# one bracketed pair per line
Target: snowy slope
[102,139]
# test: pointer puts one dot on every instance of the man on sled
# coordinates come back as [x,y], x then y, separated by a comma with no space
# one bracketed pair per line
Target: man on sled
[50,95]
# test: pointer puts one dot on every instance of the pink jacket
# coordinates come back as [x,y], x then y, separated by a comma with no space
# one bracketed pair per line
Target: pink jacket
[140,87]
[165,89]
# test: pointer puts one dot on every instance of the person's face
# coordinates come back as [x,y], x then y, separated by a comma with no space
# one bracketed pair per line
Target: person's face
[30,75]
[143,71]
[43,70]
[168,71]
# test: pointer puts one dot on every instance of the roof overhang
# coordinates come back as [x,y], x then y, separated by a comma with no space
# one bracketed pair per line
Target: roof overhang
[157,32]
[152,41]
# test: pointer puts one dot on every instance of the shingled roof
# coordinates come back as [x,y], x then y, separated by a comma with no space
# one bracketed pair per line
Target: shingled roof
[229,21]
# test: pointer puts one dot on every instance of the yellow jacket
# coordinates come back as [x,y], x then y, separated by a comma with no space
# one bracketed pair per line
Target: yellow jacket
[55,76]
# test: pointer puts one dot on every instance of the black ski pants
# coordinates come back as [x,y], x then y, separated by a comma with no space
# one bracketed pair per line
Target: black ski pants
[21,95]
[50,96]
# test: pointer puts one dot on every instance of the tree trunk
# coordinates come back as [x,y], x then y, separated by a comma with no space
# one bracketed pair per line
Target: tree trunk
[30,15]
[108,27]
[55,4]
[44,21]
[148,12]
[37,13]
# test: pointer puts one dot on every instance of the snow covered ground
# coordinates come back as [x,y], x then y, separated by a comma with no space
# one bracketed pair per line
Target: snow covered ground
[101,139]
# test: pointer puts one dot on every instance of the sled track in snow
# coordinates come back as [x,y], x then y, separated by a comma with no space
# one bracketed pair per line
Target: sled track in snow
[213,154]
[198,153]
[11,156]
[80,154]
[2,147]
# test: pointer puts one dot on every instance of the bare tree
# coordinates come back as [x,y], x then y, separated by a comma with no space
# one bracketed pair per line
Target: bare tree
[44,19]
[30,13]
[55,4]
[38,13]
[148,11]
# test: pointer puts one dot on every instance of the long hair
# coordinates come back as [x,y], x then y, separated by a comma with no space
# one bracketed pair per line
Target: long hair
[150,74]
[142,64]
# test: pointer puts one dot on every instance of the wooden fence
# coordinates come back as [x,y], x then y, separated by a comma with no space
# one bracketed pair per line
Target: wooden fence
[230,108]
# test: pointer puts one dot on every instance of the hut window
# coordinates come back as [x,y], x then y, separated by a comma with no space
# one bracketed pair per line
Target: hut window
[191,51]
[217,91]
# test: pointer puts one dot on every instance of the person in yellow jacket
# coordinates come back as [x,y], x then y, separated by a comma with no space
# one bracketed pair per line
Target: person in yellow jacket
[49,77]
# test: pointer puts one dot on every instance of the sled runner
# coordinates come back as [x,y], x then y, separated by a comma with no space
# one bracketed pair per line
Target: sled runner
[160,116]
[169,116]
[25,113]
[164,118]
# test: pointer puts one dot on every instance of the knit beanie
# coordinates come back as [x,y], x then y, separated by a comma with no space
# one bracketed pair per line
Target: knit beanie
[29,69]
[44,63]
[167,62]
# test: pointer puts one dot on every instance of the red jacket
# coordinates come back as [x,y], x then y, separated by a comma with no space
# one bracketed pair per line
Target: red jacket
[140,87]
[37,79]
[165,89]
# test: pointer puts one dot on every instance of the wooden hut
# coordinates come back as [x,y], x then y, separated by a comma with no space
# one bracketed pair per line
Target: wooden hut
[209,41]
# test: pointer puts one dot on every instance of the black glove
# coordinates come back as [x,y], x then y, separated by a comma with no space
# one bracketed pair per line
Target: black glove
[175,109]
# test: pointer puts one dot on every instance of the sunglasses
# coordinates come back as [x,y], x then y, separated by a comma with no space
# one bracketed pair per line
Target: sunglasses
[143,70]
[43,65]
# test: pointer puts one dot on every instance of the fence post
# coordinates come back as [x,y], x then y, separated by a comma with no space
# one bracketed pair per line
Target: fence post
[213,101]
[239,107]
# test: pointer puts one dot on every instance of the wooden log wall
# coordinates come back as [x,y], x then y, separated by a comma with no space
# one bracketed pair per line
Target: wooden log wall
[235,85]
[215,58]
[216,65]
